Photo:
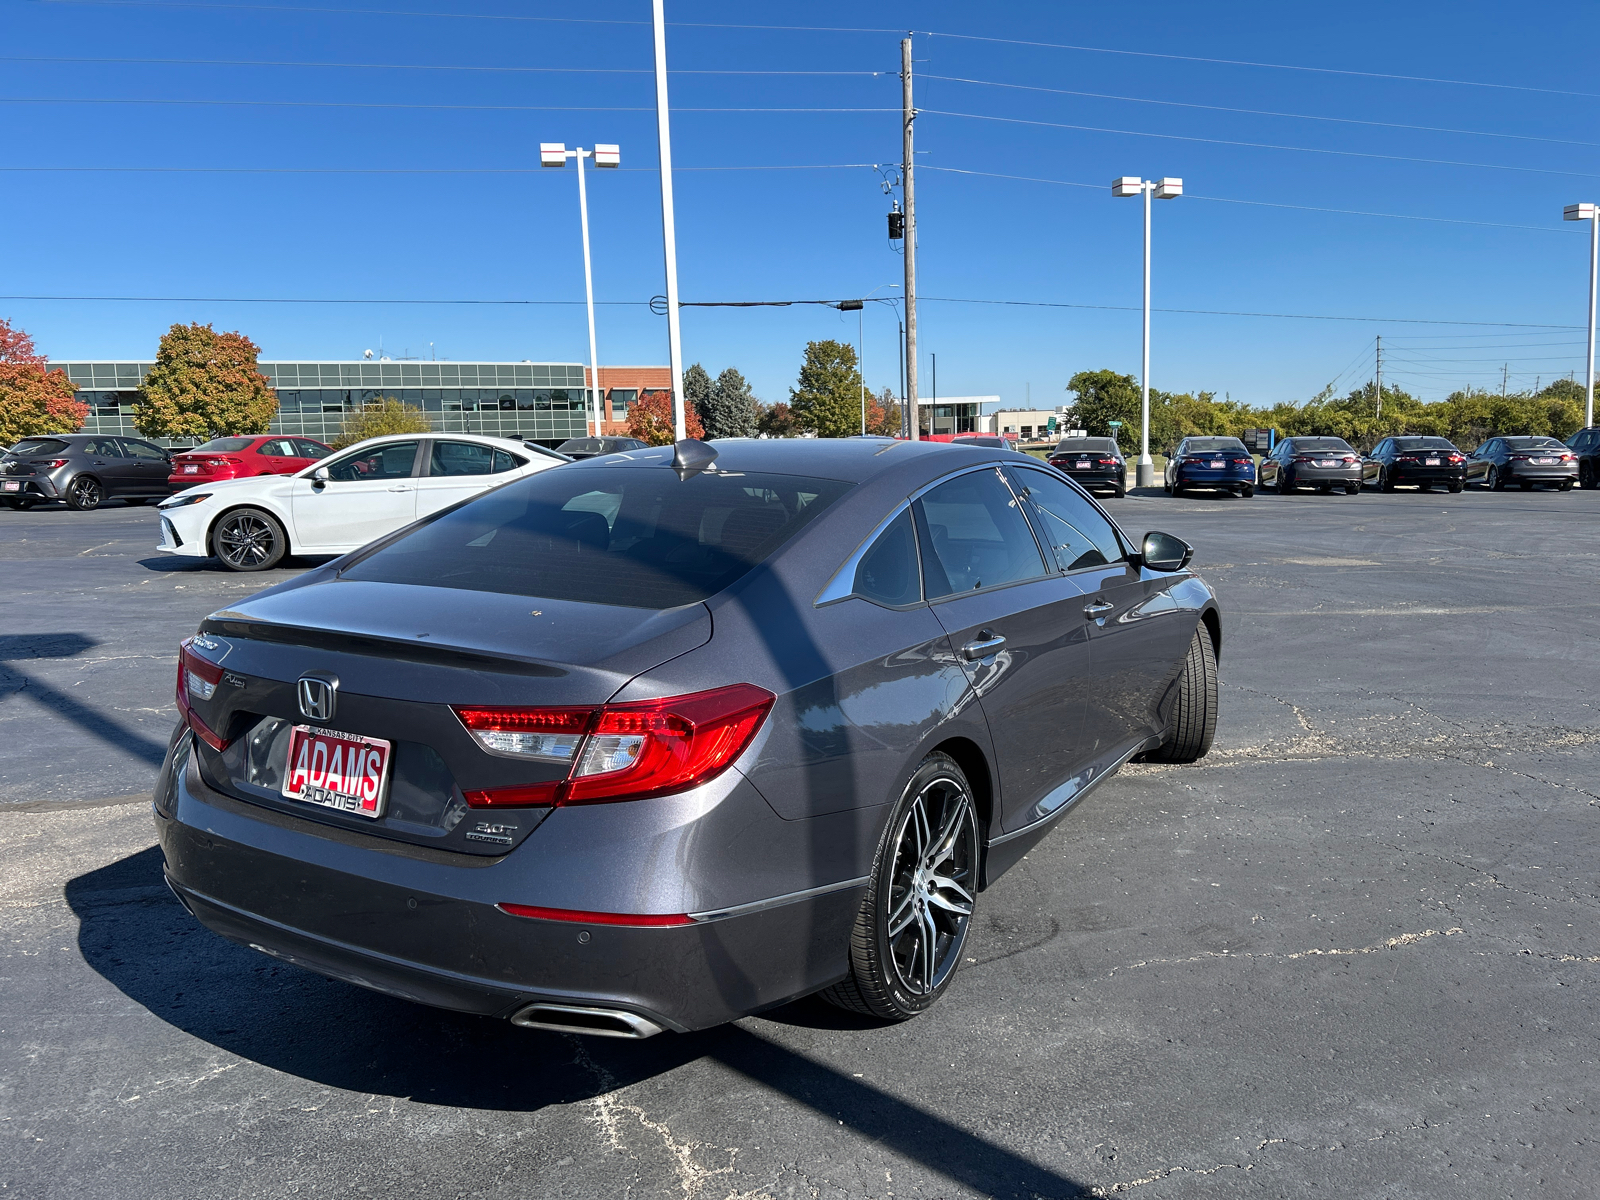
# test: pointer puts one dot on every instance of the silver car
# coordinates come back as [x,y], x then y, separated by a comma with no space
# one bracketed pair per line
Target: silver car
[658,740]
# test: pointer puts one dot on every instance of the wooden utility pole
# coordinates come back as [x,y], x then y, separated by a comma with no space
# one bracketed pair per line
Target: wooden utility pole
[908,169]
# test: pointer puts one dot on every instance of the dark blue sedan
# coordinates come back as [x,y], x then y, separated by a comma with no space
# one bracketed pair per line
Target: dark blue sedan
[1220,464]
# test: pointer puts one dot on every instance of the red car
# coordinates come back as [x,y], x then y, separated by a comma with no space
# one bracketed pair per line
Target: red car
[242,457]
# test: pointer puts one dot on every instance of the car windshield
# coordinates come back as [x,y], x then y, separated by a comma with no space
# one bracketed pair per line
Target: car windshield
[1092,445]
[223,446]
[1210,445]
[1534,443]
[1423,443]
[29,446]
[635,537]
[1323,445]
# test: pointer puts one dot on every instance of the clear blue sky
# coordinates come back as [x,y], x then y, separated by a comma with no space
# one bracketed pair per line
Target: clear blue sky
[476,220]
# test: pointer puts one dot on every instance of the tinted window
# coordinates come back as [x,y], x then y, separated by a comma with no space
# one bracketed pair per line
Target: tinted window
[103,448]
[1205,445]
[1321,445]
[580,446]
[1423,443]
[632,537]
[888,572]
[506,462]
[29,446]
[460,458]
[278,448]
[1094,445]
[1076,532]
[392,461]
[223,446]
[977,536]
[310,449]
[1532,443]
[142,450]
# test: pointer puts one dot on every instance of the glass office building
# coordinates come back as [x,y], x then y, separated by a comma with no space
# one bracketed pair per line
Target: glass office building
[541,402]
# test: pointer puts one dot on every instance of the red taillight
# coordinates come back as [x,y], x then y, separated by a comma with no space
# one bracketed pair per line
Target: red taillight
[1349,458]
[622,751]
[56,462]
[1457,458]
[595,918]
[1410,458]
[1518,457]
[1108,462]
[198,676]
[1566,458]
[1242,462]
[225,462]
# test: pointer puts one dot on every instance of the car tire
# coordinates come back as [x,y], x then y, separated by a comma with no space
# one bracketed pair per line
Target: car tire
[1385,483]
[1456,487]
[1247,491]
[1119,493]
[84,493]
[1566,485]
[1586,479]
[1493,482]
[248,539]
[1192,717]
[1352,489]
[924,878]
[1527,487]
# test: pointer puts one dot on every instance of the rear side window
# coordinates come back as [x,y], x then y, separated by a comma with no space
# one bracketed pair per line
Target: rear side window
[309,449]
[31,446]
[504,461]
[142,450]
[460,458]
[888,572]
[976,538]
[1078,535]
[634,537]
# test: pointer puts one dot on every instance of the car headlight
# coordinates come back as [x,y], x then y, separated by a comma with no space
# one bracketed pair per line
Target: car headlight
[184,501]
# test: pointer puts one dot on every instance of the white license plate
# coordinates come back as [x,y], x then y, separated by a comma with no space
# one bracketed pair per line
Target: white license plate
[337,770]
[11,485]
[1430,462]
[1327,462]
[191,470]
[1545,462]
[1216,465]
[1082,466]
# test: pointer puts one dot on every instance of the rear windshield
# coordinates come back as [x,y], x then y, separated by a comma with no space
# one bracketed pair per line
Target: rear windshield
[39,446]
[1098,445]
[223,446]
[635,537]
[1323,445]
[580,446]
[1205,445]
[1423,443]
[998,442]
[1534,443]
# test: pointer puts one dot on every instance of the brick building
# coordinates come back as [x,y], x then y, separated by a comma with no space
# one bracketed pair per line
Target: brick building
[620,389]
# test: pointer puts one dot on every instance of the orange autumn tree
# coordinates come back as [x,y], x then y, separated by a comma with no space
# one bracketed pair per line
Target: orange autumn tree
[204,384]
[650,419]
[33,399]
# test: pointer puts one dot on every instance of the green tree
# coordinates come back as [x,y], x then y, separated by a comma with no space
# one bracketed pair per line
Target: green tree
[828,400]
[777,420]
[731,409]
[204,384]
[382,416]
[697,389]
[32,398]
[1103,397]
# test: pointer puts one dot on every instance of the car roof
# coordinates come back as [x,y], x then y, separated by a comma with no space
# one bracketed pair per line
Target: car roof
[849,459]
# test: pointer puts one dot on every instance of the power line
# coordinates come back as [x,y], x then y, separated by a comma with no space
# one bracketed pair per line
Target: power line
[1178,137]
[1352,212]
[1235,62]
[446,107]
[345,66]
[415,170]
[1258,112]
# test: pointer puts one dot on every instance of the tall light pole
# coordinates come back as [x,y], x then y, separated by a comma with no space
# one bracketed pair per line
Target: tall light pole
[669,229]
[555,154]
[860,306]
[908,177]
[1591,214]
[1161,189]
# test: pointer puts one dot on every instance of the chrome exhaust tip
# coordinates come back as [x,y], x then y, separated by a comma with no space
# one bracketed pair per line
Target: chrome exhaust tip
[577,1018]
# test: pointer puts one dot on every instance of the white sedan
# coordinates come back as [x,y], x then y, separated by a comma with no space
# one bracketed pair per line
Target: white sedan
[344,501]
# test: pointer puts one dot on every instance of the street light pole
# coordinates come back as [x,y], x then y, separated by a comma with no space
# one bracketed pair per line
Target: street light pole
[555,154]
[669,231]
[908,176]
[1591,214]
[1162,189]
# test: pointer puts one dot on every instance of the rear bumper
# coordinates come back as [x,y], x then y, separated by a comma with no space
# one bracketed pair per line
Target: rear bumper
[1402,473]
[1522,473]
[1215,479]
[1099,477]
[417,926]
[1317,476]
[36,487]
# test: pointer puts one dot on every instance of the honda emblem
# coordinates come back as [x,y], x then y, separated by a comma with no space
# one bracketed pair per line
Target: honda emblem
[318,695]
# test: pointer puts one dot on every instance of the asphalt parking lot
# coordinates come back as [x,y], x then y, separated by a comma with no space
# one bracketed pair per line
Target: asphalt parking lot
[1352,953]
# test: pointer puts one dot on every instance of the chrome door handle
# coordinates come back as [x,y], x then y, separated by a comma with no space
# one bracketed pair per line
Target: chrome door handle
[986,646]
[1097,610]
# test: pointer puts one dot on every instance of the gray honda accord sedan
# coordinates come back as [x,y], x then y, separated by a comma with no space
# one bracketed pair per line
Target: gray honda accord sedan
[657,740]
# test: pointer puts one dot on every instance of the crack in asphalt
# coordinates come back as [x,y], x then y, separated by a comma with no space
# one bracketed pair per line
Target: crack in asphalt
[1394,943]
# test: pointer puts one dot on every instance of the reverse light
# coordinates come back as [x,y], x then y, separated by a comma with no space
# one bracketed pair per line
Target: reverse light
[622,751]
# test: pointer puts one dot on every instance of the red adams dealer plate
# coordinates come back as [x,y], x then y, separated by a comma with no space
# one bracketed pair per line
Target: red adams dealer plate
[345,771]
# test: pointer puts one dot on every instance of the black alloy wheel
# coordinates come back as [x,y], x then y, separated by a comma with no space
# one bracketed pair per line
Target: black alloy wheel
[1284,483]
[1586,474]
[248,539]
[85,493]
[1385,480]
[908,936]
[1493,482]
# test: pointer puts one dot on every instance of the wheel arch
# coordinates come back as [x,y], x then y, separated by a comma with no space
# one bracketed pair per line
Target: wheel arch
[283,523]
[974,764]
[1211,620]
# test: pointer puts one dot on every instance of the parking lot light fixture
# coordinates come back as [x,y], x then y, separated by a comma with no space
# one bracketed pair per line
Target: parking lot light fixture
[555,154]
[1591,214]
[1166,188]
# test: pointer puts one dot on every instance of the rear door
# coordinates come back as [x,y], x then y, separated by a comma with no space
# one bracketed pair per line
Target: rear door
[151,467]
[1136,636]
[1018,630]
[457,470]
[369,492]
[277,456]
[106,460]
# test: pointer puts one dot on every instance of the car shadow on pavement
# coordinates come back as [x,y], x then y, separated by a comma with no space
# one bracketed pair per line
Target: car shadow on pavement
[20,647]
[140,939]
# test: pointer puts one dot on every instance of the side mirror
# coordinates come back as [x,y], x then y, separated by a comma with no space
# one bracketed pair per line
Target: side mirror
[1163,552]
[319,477]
